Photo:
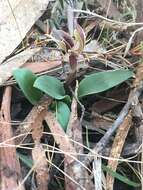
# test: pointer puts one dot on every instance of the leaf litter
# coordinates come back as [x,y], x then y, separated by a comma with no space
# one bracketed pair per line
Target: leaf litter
[67,148]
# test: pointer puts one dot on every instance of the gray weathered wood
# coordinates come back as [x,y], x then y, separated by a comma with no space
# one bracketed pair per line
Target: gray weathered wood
[16,19]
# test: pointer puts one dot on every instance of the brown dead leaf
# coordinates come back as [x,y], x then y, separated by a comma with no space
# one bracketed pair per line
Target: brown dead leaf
[113,99]
[7,68]
[38,67]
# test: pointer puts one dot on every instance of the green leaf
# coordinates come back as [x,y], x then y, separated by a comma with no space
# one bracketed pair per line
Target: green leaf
[67,100]
[27,161]
[122,178]
[51,86]
[25,79]
[101,81]
[62,114]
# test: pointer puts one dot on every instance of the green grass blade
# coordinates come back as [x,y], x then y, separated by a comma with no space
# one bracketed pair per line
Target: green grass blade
[120,177]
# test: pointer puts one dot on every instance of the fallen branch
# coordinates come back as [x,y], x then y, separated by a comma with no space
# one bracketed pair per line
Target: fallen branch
[117,146]
[10,173]
[38,152]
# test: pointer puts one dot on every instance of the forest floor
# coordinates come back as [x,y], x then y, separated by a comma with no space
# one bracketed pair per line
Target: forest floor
[71,95]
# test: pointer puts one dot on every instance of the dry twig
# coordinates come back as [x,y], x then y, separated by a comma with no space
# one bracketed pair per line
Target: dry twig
[117,146]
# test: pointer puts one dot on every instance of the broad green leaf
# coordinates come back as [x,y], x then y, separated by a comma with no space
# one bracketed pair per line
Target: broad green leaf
[120,177]
[62,114]
[25,79]
[51,86]
[99,82]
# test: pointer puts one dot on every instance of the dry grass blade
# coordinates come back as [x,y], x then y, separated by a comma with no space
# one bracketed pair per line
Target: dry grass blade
[10,173]
[117,148]
[131,39]
[97,172]
[124,24]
